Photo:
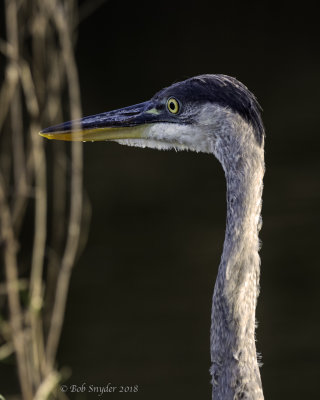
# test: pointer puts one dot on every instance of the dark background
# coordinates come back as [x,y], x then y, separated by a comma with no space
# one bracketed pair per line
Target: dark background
[140,299]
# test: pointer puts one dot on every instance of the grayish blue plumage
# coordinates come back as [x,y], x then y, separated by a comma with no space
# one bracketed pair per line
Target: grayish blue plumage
[213,114]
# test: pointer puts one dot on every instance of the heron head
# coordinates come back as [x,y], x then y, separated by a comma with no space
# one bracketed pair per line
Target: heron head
[191,115]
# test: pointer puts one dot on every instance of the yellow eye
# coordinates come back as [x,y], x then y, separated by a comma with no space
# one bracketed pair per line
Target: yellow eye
[173,105]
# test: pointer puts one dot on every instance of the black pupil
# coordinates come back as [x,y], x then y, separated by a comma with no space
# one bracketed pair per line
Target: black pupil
[172,105]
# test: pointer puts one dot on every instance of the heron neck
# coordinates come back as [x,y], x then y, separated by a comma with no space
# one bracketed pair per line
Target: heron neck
[235,371]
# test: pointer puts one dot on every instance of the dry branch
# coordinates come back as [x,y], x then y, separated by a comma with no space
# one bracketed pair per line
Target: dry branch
[35,79]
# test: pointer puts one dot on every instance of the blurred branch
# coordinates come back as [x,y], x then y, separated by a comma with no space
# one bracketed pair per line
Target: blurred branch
[7,92]
[6,350]
[11,270]
[47,386]
[40,66]
[16,106]
[23,284]
[76,186]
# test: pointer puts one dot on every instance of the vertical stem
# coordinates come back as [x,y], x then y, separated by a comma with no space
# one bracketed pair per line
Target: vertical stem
[37,291]
[16,112]
[34,80]
[40,222]
[11,270]
[58,15]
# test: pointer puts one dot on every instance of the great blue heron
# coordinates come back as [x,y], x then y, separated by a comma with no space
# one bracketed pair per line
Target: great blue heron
[212,114]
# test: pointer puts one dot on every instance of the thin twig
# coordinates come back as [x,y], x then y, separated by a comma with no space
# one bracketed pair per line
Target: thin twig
[40,64]
[11,269]
[7,91]
[6,350]
[23,284]
[47,386]
[76,187]
[40,231]
[16,110]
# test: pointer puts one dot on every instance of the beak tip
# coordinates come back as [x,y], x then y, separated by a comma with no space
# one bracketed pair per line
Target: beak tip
[43,134]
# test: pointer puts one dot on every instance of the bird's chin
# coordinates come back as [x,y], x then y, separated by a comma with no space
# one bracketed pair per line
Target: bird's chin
[169,136]
[152,144]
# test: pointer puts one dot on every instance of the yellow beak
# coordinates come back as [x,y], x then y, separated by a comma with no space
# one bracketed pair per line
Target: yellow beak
[127,123]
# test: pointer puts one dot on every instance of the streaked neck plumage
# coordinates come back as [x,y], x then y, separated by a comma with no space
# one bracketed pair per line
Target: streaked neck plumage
[235,371]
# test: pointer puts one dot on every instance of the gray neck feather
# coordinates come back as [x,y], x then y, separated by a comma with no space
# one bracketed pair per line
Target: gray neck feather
[235,370]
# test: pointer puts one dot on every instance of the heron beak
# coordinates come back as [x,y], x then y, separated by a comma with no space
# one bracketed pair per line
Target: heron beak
[126,123]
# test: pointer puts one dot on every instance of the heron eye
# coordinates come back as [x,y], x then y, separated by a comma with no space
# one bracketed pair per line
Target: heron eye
[173,105]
